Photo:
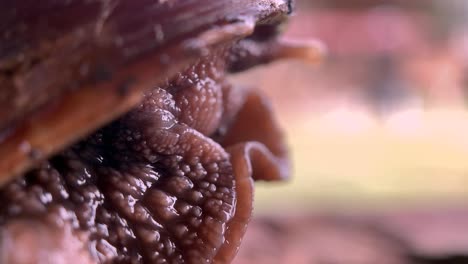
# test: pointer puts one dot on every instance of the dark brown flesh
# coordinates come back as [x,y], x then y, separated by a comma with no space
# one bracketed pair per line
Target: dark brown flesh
[168,182]
[155,186]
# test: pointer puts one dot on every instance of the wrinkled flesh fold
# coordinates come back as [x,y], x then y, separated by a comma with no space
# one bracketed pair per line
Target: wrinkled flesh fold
[169,181]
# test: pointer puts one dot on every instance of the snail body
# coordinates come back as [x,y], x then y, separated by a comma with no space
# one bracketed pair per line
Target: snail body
[140,150]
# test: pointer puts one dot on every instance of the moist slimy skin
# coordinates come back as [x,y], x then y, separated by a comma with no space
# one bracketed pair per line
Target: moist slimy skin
[170,180]
[163,183]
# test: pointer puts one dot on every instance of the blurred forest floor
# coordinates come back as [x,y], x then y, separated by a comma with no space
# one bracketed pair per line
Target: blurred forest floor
[378,140]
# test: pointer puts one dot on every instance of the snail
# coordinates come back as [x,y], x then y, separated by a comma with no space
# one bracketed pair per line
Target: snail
[122,140]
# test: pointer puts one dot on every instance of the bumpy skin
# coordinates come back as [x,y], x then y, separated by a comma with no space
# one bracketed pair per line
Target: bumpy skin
[169,182]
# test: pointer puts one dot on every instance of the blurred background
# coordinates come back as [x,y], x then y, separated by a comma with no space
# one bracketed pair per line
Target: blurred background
[378,135]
